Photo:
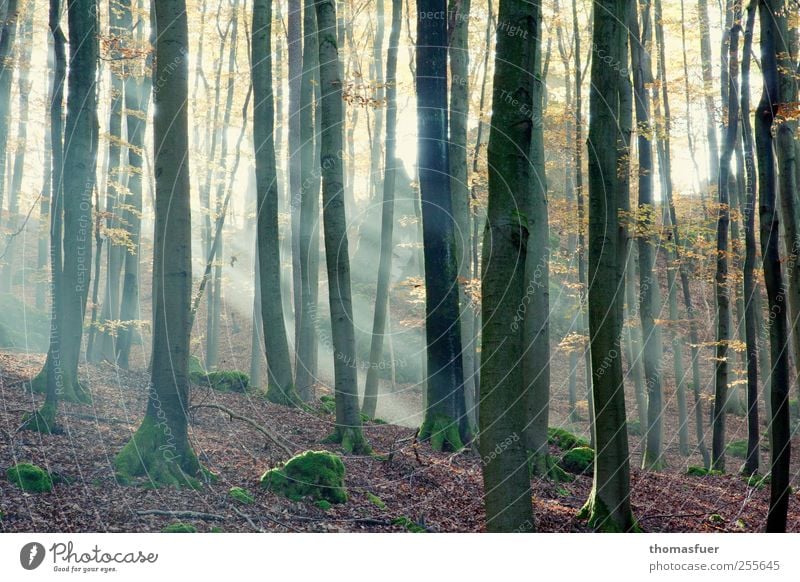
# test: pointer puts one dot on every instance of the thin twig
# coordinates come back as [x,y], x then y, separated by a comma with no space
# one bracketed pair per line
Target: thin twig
[263,430]
[182,514]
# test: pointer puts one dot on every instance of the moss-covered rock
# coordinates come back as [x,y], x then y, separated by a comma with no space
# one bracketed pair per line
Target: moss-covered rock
[564,439]
[30,478]
[228,381]
[179,527]
[241,495]
[312,474]
[579,460]
[737,449]
[323,504]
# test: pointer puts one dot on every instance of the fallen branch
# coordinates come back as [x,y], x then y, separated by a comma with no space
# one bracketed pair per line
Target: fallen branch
[366,520]
[182,514]
[234,415]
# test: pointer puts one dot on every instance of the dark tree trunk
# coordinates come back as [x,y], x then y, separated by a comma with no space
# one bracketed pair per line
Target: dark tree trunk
[445,423]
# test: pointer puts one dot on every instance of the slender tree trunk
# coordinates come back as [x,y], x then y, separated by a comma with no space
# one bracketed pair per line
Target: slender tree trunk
[337,258]
[750,289]
[633,339]
[536,336]
[305,372]
[8,34]
[279,370]
[773,29]
[387,220]
[160,450]
[295,69]
[608,507]
[723,224]
[506,482]
[47,187]
[445,422]
[137,100]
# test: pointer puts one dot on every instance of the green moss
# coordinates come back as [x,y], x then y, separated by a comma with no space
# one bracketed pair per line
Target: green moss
[30,478]
[564,439]
[351,439]
[284,395]
[737,449]
[757,481]
[546,466]
[312,474]
[42,421]
[216,529]
[155,454]
[196,369]
[69,389]
[716,518]
[323,504]
[241,495]
[408,524]
[702,472]
[376,501]
[579,460]
[601,520]
[228,381]
[327,404]
[442,432]
[179,527]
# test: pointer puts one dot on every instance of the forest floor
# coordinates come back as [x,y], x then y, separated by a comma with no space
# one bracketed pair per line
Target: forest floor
[440,492]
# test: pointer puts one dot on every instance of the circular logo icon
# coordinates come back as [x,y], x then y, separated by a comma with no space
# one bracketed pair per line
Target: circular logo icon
[31,555]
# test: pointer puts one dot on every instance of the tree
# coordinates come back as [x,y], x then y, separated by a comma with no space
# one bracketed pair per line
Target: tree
[445,422]
[387,219]
[723,225]
[536,337]
[647,239]
[279,369]
[750,289]
[8,34]
[160,449]
[608,507]
[337,258]
[772,22]
[506,482]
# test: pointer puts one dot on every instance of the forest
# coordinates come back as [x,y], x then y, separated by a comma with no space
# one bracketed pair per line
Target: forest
[399,266]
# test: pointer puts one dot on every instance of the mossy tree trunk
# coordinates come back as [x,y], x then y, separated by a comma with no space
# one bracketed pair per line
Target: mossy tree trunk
[387,220]
[608,507]
[503,415]
[280,388]
[445,421]
[160,450]
[337,257]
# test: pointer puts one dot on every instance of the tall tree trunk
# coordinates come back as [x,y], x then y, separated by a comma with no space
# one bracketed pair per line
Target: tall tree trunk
[295,70]
[160,450]
[445,422]
[649,300]
[387,220]
[24,83]
[8,34]
[47,186]
[458,18]
[348,422]
[608,507]
[306,344]
[773,29]
[723,224]
[137,100]
[633,339]
[506,481]
[536,335]
[279,370]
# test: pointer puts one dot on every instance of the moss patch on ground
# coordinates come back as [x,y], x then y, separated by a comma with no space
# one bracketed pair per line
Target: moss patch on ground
[241,495]
[702,472]
[179,527]
[737,449]
[30,478]
[318,475]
